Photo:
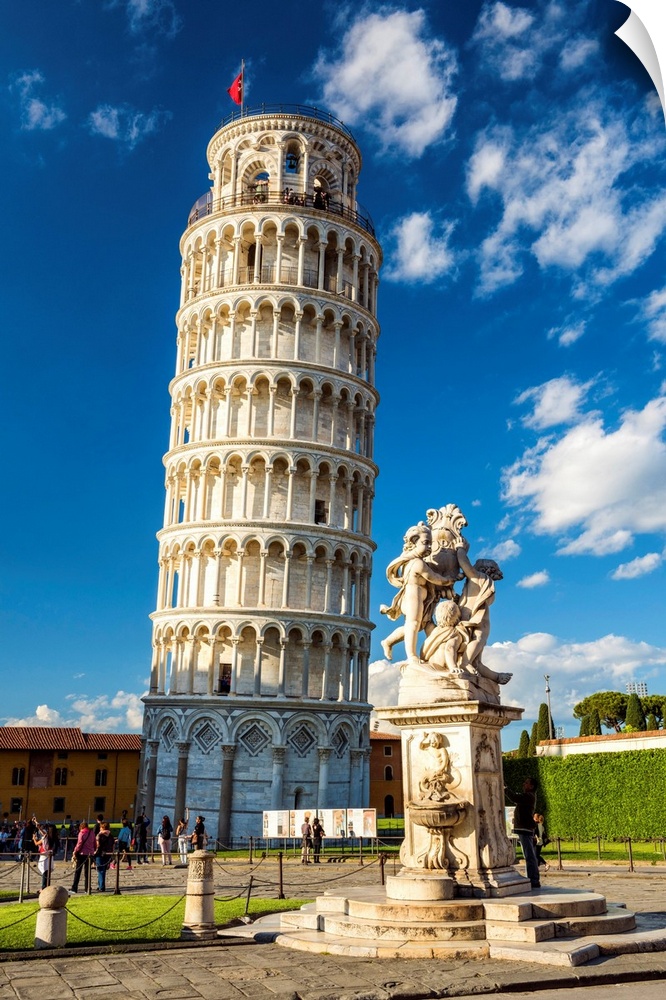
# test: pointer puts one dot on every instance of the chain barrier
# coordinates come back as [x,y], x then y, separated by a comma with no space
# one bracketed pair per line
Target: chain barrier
[125,930]
[20,920]
[13,868]
[229,899]
[248,872]
[336,878]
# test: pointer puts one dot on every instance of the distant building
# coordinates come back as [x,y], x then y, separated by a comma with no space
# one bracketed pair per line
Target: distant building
[386,774]
[612,743]
[59,772]
[637,687]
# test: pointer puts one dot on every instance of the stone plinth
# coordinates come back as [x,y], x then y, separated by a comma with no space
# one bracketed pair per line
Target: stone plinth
[199,920]
[454,801]
[51,926]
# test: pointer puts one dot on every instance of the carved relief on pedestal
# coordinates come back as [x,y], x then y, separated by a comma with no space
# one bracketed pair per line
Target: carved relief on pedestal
[437,809]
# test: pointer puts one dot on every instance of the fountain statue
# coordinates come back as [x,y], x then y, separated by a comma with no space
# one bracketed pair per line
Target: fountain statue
[450,712]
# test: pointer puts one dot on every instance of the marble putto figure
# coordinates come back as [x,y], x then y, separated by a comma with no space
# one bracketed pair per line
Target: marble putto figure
[456,625]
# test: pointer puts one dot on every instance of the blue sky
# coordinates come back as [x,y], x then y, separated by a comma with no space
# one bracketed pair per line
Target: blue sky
[514,164]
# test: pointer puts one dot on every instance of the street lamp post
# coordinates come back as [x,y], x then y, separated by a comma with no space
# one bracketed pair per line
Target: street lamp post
[550,714]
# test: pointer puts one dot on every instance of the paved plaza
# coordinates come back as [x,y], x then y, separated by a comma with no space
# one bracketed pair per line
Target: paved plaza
[239,967]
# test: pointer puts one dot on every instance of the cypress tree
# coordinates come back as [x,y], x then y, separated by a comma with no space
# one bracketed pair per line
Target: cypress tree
[651,723]
[524,745]
[584,726]
[531,751]
[594,725]
[543,727]
[635,717]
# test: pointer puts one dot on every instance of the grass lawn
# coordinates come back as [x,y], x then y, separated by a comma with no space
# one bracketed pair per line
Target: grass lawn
[122,917]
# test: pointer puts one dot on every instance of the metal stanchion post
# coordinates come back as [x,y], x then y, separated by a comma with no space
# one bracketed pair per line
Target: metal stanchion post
[251,846]
[280,874]
[631,855]
[559,854]
[116,891]
[89,874]
[598,848]
[360,851]
[382,865]
[22,878]
[249,893]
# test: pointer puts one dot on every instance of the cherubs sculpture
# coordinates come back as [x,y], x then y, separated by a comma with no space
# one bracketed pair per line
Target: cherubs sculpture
[418,592]
[455,640]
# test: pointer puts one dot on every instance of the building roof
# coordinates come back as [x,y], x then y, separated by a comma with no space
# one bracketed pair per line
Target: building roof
[385,736]
[572,740]
[62,738]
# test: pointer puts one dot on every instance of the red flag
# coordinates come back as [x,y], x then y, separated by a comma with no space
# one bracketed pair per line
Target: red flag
[235,91]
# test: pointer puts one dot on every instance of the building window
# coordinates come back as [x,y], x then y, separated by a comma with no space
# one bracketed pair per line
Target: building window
[58,805]
[100,777]
[321,512]
[62,755]
[388,773]
[102,756]
[388,751]
[224,682]
[99,804]
[18,776]
[15,805]
[60,776]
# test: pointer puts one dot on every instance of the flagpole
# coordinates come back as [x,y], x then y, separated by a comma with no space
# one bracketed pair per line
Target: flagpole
[242,87]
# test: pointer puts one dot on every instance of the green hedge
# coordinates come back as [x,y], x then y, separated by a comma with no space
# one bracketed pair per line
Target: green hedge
[611,795]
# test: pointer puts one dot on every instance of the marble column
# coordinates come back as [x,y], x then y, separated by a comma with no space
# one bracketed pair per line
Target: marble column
[277,781]
[181,781]
[226,793]
[151,778]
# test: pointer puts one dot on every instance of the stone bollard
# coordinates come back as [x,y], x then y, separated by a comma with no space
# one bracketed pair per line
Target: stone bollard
[51,929]
[199,921]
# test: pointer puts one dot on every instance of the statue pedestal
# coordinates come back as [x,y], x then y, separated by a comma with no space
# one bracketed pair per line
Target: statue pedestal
[456,842]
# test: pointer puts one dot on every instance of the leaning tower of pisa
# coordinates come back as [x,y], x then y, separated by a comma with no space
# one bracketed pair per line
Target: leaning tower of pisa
[261,635]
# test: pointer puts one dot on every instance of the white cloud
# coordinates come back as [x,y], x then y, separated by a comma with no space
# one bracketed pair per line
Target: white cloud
[509,43]
[640,566]
[36,114]
[383,681]
[418,253]
[654,312]
[508,549]
[577,51]
[568,333]
[539,579]
[151,16]
[601,485]
[564,197]
[122,712]
[125,125]
[555,402]
[575,669]
[392,76]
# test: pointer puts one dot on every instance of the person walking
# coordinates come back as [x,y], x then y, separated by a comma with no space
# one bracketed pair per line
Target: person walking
[164,840]
[83,854]
[199,837]
[317,836]
[124,845]
[524,826]
[103,853]
[48,845]
[306,840]
[141,838]
[182,837]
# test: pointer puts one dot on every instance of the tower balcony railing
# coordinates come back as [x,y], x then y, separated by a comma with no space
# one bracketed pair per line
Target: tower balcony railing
[268,275]
[260,196]
[304,110]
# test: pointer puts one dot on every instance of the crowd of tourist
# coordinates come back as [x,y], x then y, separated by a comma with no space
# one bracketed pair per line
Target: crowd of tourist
[95,846]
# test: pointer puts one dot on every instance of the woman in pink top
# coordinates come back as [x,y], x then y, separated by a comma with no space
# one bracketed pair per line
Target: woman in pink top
[83,854]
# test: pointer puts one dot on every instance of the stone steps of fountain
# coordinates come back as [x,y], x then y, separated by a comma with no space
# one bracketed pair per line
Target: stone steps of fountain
[554,927]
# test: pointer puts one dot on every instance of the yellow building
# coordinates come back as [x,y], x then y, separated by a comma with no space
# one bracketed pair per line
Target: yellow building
[55,773]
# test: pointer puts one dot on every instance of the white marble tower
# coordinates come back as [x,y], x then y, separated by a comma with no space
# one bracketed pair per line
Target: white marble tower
[261,634]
